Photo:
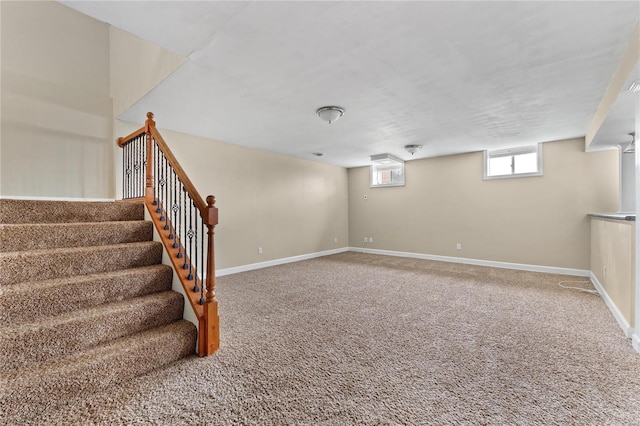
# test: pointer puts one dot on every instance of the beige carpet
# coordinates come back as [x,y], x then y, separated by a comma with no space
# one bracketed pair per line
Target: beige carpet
[85,303]
[365,339]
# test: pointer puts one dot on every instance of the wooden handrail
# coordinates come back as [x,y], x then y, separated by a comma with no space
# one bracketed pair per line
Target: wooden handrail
[205,308]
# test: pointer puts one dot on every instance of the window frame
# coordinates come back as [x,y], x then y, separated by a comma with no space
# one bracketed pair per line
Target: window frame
[383,162]
[512,152]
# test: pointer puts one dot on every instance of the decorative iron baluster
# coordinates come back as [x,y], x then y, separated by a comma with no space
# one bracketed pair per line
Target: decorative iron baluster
[195,245]
[125,191]
[142,166]
[190,235]
[167,195]
[171,212]
[202,258]
[183,235]
[127,170]
[154,154]
[163,190]
[176,223]
[136,166]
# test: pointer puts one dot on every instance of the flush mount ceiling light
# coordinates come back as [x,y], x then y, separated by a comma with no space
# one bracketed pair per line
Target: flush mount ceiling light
[330,113]
[412,149]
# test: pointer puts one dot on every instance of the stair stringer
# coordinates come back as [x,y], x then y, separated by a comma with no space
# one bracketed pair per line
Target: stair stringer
[187,312]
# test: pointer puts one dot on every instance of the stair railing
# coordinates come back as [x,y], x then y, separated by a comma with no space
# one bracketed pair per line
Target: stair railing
[151,172]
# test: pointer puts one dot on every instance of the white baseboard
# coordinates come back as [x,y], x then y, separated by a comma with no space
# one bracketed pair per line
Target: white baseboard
[635,341]
[28,197]
[275,262]
[624,325]
[479,262]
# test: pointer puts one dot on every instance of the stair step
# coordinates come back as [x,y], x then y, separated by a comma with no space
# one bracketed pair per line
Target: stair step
[30,392]
[38,211]
[34,301]
[21,237]
[25,344]
[36,265]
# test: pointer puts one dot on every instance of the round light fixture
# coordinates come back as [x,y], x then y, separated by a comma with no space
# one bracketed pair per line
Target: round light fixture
[330,113]
[412,148]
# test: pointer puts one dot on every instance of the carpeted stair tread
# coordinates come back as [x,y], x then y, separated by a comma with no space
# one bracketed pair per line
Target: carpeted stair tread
[21,237]
[38,211]
[29,343]
[33,301]
[35,265]
[28,393]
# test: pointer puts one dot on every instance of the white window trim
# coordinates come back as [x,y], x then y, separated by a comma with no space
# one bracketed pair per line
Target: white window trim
[374,168]
[509,152]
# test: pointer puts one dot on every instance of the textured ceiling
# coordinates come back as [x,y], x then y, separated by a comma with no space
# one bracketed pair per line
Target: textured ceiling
[452,76]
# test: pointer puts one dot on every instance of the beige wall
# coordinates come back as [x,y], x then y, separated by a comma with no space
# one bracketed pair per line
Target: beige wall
[285,205]
[612,262]
[534,220]
[56,111]
[136,67]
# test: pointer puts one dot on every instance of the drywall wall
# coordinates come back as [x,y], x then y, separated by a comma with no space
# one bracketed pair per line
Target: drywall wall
[612,262]
[136,66]
[285,205]
[56,110]
[534,220]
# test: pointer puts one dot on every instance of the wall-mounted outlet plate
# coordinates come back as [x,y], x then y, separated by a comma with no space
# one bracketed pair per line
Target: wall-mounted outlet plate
[259,250]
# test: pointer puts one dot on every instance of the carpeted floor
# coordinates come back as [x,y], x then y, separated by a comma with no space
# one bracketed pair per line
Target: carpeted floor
[365,339]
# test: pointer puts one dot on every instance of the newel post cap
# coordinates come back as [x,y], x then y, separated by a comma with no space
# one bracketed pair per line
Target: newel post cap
[212,211]
[150,123]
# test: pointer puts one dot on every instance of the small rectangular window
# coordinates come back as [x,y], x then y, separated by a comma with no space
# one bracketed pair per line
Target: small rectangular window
[386,170]
[516,162]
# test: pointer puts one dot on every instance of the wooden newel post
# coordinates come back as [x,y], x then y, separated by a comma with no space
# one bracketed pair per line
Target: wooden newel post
[149,190]
[211,318]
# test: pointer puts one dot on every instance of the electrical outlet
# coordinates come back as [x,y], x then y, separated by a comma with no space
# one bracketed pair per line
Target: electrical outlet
[366,240]
[458,246]
[335,240]
[259,250]
[370,239]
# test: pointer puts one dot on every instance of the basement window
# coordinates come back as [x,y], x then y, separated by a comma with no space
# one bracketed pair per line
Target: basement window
[386,170]
[515,162]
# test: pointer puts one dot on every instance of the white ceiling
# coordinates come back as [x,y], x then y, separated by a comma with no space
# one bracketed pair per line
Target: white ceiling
[452,76]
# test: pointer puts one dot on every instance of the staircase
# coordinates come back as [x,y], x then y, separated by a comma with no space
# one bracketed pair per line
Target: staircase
[85,303]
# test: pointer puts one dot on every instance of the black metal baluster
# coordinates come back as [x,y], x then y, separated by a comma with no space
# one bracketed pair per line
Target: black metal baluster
[163,190]
[134,165]
[141,171]
[202,286]
[155,173]
[183,220]
[130,170]
[160,182]
[195,253]
[136,168]
[171,212]
[124,195]
[176,240]
[167,209]
[190,235]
